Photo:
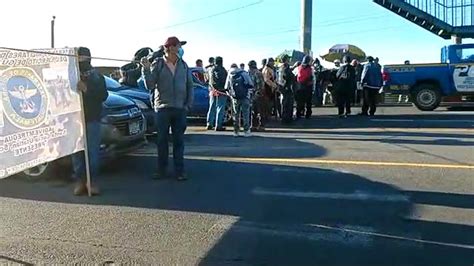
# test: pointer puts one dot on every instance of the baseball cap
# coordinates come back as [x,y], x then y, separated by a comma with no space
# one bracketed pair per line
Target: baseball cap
[173,41]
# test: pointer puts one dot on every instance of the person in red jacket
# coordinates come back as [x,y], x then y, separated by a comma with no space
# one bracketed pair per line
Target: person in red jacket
[304,91]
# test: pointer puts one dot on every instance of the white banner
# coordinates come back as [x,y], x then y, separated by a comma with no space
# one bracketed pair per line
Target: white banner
[40,109]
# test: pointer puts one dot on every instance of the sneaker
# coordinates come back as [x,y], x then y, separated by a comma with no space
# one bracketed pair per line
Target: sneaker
[235,134]
[247,134]
[261,129]
[181,177]
[342,116]
[80,188]
[220,129]
[209,127]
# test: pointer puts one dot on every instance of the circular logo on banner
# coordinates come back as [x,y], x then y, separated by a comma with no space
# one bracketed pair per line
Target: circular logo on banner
[24,97]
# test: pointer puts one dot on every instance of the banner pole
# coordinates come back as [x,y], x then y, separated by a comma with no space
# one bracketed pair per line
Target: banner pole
[86,149]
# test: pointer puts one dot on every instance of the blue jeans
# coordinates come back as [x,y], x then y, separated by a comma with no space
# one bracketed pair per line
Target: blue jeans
[176,119]
[241,108]
[216,111]
[93,147]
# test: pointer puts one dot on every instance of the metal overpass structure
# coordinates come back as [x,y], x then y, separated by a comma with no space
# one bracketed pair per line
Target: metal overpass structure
[449,19]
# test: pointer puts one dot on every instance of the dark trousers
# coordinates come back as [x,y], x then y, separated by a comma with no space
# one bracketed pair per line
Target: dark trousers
[304,98]
[175,119]
[93,147]
[259,111]
[277,108]
[343,100]
[370,100]
[287,103]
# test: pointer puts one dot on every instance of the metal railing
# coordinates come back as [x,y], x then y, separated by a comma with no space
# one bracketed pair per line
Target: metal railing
[456,13]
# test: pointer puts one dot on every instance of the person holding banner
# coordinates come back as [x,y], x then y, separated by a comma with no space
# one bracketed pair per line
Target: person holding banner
[92,86]
[171,81]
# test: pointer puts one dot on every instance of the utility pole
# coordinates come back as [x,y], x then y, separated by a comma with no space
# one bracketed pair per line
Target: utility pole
[52,31]
[306,25]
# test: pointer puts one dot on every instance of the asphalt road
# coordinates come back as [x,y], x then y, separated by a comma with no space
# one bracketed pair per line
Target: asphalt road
[396,189]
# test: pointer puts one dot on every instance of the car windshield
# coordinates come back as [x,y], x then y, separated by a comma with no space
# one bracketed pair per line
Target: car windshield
[465,54]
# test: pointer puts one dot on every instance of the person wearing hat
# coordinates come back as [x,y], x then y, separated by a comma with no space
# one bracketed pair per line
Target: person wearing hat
[258,99]
[372,82]
[171,81]
[94,92]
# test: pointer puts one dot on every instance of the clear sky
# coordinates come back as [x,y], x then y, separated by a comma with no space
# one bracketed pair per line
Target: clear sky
[261,28]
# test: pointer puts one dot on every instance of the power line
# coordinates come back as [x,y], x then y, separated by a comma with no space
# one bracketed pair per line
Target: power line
[326,24]
[60,54]
[363,31]
[210,16]
[358,19]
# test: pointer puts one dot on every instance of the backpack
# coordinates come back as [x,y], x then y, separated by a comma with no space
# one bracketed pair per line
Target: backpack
[343,73]
[305,75]
[239,88]
[219,76]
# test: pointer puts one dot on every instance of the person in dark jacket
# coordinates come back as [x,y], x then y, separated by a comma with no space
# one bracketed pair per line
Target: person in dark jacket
[258,98]
[132,72]
[264,64]
[372,82]
[345,87]
[318,93]
[286,80]
[92,86]
[358,70]
[304,91]
[217,96]
[171,80]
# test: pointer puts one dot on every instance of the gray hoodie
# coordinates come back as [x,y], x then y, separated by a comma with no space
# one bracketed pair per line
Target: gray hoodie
[170,91]
[248,81]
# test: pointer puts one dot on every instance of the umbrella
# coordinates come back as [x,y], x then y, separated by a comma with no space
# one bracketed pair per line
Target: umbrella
[338,51]
[293,54]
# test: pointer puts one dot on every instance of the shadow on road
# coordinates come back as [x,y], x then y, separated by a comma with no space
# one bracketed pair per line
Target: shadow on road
[425,120]
[283,212]
[10,261]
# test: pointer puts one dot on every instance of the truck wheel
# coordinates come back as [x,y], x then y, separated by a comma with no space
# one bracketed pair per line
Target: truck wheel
[426,97]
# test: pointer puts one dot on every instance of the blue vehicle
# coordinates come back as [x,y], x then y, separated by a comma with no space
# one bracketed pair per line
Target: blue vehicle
[141,97]
[427,84]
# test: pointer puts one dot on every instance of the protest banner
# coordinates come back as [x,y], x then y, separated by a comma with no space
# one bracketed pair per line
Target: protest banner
[40,109]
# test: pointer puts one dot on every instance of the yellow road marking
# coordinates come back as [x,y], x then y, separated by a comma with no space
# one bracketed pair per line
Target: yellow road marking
[319,161]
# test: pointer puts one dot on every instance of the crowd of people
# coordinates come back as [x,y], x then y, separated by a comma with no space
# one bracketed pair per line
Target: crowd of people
[256,95]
